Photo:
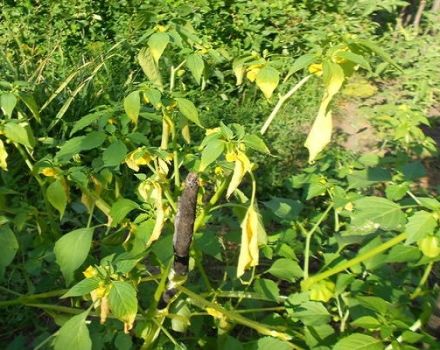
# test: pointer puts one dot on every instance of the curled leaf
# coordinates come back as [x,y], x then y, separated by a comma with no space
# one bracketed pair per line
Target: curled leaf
[252,235]
[241,167]
[160,213]
[3,156]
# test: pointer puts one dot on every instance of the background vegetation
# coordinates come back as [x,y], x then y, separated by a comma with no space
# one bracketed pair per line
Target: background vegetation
[86,92]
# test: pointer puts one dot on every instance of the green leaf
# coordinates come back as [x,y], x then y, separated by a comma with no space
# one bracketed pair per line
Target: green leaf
[285,208]
[413,171]
[310,313]
[74,334]
[120,209]
[56,195]
[150,67]
[372,213]
[403,253]
[31,104]
[182,314]
[286,269]
[19,134]
[196,66]
[430,203]
[211,152]
[153,96]
[82,288]
[301,63]
[80,143]
[396,192]
[7,103]
[132,106]
[115,154]
[71,250]
[256,143]
[267,80]
[267,343]
[3,156]
[367,177]
[85,122]
[420,225]
[367,322]
[355,58]
[189,111]
[378,51]
[8,247]
[358,341]
[123,301]
[267,288]
[158,43]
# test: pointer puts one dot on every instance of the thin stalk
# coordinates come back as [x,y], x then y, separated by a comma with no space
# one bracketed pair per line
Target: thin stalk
[244,295]
[306,284]
[281,101]
[423,280]
[309,238]
[236,317]
[414,197]
[246,311]
[25,299]
[173,75]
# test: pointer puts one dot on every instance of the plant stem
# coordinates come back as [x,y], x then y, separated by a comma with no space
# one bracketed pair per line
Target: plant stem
[25,299]
[423,280]
[309,238]
[234,316]
[281,101]
[306,284]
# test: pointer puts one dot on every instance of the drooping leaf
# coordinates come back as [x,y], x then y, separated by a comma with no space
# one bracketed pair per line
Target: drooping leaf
[267,80]
[56,195]
[211,152]
[74,334]
[420,225]
[256,143]
[355,58]
[8,247]
[241,167]
[358,341]
[158,43]
[285,208]
[252,235]
[85,122]
[301,63]
[267,289]
[82,288]
[189,111]
[3,156]
[71,251]
[115,154]
[21,134]
[8,102]
[123,302]
[120,209]
[195,64]
[132,106]
[286,269]
[150,67]
[320,134]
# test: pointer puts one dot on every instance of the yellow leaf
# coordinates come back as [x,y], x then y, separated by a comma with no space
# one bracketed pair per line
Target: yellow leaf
[252,235]
[136,158]
[252,74]
[322,291]
[320,134]
[316,69]
[90,272]
[241,167]
[267,80]
[50,172]
[160,213]
[214,313]
[104,309]
[430,246]
[3,156]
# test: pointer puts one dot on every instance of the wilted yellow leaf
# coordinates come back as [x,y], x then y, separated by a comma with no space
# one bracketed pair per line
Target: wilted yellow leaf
[320,134]
[3,156]
[136,158]
[316,69]
[252,74]
[90,272]
[104,309]
[241,167]
[252,235]
[50,172]
[160,213]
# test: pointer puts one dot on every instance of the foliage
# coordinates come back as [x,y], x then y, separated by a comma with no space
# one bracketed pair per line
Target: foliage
[102,121]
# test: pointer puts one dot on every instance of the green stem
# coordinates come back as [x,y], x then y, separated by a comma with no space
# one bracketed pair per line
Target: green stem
[25,299]
[306,284]
[233,316]
[309,238]
[281,101]
[423,280]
